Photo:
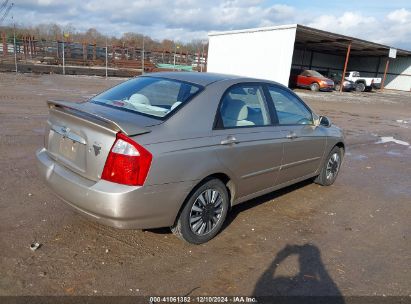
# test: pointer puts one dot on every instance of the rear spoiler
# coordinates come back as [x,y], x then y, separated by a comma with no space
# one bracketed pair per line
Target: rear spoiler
[107,119]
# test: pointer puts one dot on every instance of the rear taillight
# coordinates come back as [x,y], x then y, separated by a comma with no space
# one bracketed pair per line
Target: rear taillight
[127,163]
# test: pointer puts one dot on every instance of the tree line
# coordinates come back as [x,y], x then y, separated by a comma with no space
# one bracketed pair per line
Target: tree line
[53,32]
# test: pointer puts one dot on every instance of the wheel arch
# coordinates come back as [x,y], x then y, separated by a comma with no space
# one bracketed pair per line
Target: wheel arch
[318,85]
[223,177]
[340,145]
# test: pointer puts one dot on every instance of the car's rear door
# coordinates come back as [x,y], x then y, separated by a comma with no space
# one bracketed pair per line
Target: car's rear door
[304,142]
[248,143]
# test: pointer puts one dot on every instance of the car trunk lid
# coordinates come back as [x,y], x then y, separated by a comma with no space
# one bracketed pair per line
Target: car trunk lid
[79,136]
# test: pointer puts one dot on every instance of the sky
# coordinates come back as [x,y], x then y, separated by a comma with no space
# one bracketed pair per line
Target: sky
[381,21]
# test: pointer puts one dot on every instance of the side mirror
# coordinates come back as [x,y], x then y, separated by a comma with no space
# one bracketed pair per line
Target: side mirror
[325,121]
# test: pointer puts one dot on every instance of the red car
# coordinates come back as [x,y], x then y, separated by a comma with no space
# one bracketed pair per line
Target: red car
[314,81]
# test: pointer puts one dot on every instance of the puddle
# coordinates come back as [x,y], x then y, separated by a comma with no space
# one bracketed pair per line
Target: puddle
[358,157]
[394,153]
[387,139]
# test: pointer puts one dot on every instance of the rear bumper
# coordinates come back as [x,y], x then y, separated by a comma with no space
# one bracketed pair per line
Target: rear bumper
[119,206]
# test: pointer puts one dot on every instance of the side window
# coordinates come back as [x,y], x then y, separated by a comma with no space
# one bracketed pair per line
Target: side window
[290,111]
[243,106]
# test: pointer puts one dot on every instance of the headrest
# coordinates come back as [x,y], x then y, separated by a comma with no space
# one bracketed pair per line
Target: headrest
[138,99]
[235,109]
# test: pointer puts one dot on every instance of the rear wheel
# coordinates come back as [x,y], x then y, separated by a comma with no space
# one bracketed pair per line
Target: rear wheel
[203,214]
[314,87]
[331,168]
[360,87]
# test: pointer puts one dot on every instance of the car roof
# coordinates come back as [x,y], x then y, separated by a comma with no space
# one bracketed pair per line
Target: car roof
[202,79]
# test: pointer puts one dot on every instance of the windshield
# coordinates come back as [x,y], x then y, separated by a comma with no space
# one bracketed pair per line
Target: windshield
[148,95]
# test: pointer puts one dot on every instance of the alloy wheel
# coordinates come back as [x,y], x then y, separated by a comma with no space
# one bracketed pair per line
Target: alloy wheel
[332,166]
[206,212]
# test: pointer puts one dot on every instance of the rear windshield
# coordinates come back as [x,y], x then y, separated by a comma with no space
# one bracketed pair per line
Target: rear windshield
[156,97]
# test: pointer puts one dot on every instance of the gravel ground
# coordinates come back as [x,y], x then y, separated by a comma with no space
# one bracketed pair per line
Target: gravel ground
[352,238]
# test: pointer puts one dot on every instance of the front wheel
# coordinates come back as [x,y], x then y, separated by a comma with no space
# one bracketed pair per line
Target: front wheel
[360,87]
[314,87]
[331,168]
[203,214]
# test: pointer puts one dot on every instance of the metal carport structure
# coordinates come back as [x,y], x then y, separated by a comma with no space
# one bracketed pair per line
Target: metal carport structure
[273,52]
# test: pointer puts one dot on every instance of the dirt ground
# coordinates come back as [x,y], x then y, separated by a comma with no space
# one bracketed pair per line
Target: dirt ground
[352,238]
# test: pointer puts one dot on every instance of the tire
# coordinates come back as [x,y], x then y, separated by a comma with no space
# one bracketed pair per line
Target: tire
[315,87]
[331,168]
[202,216]
[360,87]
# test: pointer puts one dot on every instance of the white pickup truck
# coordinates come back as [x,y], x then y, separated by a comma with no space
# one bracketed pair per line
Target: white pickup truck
[363,83]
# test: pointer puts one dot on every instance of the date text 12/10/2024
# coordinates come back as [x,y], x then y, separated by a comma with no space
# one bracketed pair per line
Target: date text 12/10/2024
[202,299]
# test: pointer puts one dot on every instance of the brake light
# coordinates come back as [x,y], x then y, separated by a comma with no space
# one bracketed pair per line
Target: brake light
[127,163]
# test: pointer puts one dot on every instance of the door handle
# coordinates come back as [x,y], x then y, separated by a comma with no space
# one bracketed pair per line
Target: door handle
[291,135]
[230,140]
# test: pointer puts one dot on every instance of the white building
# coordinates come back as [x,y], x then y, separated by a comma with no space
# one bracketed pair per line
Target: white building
[273,52]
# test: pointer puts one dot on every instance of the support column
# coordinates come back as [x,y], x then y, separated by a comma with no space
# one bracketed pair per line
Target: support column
[347,57]
[387,64]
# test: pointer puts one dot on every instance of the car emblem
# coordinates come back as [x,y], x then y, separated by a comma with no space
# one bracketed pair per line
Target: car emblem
[96,150]
[65,130]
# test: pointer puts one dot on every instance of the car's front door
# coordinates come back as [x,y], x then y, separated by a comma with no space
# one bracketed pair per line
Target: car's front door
[305,142]
[304,80]
[248,144]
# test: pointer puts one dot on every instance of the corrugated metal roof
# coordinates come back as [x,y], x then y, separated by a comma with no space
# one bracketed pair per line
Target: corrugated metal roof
[323,41]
